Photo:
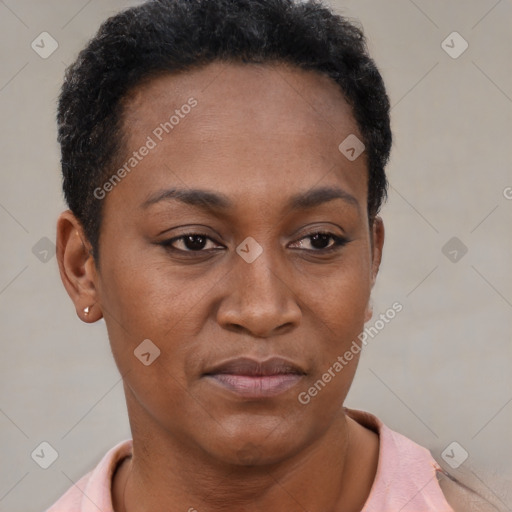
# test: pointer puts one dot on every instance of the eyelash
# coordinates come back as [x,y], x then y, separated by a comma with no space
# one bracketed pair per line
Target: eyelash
[339,242]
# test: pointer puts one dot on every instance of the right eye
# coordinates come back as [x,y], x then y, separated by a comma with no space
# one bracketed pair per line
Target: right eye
[192,242]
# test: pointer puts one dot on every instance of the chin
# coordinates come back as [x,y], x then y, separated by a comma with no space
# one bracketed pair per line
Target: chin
[253,446]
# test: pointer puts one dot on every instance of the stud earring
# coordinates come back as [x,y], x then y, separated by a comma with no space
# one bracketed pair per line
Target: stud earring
[87,310]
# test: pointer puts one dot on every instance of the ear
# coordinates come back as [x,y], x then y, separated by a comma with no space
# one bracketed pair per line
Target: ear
[77,267]
[377,244]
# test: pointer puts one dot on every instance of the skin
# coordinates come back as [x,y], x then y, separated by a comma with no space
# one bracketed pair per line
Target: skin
[259,134]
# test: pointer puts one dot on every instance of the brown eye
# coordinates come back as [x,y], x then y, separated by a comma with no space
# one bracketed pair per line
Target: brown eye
[194,242]
[190,242]
[320,240]
[323,242]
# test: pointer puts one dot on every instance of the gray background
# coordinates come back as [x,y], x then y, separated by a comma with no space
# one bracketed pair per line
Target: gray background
[439,372]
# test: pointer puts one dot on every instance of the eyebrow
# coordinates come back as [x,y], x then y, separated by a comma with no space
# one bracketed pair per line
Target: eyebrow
[208,200]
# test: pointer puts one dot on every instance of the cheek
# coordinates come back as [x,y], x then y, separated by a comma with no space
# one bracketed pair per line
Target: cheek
[338,310]
[341,296]
[148,300]
[131,295]
[338,316]
[147,328]
[138,292]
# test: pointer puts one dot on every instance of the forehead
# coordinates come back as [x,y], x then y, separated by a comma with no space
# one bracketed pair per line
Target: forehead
[270,93]
[264,123]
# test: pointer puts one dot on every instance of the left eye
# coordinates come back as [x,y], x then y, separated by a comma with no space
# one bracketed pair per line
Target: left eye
[320,242]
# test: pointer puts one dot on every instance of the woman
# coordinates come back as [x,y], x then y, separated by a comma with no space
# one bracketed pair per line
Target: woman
[223,163]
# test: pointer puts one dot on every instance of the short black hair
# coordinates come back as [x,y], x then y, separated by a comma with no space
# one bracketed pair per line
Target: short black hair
[167,36]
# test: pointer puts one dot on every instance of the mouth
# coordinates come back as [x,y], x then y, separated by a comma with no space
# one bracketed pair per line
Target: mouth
[252,379]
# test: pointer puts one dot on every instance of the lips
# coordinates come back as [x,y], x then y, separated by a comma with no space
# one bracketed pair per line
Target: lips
[254,368]
[250,378]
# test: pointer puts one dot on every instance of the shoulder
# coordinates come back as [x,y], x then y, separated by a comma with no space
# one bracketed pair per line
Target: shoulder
[96,485]
[461,498]
[466,489]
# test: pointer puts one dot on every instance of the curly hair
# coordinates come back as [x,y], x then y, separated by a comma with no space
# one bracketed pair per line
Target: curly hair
[169,36]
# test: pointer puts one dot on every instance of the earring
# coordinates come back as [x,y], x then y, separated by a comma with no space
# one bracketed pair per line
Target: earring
[87,310]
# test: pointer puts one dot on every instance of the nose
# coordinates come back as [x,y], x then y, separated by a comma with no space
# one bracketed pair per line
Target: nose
[260,301]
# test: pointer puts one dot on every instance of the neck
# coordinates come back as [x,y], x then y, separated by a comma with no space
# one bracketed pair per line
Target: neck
[168,474]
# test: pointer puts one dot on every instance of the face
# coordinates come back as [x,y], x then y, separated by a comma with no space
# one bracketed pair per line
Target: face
[239,244]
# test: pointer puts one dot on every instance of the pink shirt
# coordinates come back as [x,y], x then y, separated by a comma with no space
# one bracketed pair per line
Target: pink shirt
[405,480]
